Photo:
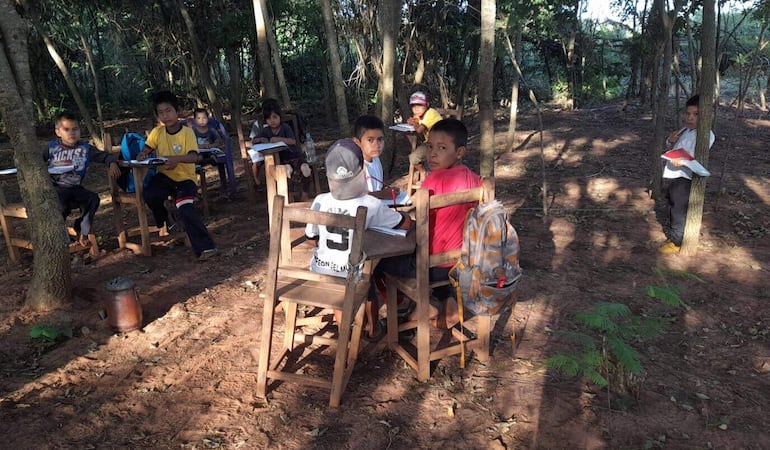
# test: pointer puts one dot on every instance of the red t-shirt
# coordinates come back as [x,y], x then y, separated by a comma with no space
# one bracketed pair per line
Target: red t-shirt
[446,224]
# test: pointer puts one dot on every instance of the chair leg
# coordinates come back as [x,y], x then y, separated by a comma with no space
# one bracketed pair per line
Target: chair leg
[483,335]
[410,180]
[423,338]
[204,193]
[265,345]
[290,309]
[13,254]
[392,309]
[341,356]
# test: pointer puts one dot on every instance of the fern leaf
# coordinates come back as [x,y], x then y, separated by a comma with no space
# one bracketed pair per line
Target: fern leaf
[595,377]
[592,359]
[612,309]
[627,357]
[584,340]
[666,294]
[567,364]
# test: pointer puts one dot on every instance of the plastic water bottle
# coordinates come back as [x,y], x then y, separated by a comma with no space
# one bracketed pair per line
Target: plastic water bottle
[310,155]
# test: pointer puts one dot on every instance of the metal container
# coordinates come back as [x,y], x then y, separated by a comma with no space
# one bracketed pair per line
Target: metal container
[124,312]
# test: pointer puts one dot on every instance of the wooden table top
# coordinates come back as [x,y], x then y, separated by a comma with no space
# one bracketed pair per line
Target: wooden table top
[378,245]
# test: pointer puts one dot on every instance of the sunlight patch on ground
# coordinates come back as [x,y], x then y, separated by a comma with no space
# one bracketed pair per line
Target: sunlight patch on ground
[748,272]
[563,235]
[759,185]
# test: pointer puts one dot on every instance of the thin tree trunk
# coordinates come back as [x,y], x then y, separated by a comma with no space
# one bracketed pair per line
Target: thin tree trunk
[705,121]
[200,65]
[277,64]
[661,105]
[97,97]
[513,51]
[336,66]
[50,284]
[85,116]
[486,79]
[263,52]
[389,14]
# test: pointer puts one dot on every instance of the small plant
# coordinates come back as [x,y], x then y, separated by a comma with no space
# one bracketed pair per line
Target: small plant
[605,352]
[48,334]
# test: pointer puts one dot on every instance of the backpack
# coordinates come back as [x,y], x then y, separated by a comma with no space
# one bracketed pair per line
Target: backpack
[130,146]
[488,270]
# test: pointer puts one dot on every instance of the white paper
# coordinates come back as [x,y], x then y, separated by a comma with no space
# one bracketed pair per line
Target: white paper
[150,161]
[402,127]
[10,171]
[390,231]
[57,170]
[691,164]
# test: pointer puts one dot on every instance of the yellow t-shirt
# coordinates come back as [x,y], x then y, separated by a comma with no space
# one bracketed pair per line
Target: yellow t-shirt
[429,119]
[178,144]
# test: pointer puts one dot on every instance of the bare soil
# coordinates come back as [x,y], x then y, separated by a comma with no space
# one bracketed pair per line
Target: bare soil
[188,379]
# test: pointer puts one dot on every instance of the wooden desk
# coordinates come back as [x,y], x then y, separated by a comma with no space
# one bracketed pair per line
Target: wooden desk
[379,245]
[136,198]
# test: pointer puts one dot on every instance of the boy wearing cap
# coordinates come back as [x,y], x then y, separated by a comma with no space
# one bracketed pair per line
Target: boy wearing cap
[347,183]
[423,116]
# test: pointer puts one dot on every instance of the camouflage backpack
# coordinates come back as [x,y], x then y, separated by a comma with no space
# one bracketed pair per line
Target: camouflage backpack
[488,270]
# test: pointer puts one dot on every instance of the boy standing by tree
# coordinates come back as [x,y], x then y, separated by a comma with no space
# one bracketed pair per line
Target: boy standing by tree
[178,145]
[677,177]
[68,151]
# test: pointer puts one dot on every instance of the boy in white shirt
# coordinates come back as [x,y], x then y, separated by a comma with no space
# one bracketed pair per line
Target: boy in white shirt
[347,182]
[370,136]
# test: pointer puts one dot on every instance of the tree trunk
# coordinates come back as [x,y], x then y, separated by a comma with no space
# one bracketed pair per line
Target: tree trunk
[486,103]
[514,51]
[84,115]
[97,97]
[203,73]
[277,64]
[263,52]
[705,120]
[51,279]
[661,105]
[336,68]
[389,14]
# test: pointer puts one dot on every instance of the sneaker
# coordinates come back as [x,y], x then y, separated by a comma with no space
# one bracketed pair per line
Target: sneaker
[206,254]
[669,248]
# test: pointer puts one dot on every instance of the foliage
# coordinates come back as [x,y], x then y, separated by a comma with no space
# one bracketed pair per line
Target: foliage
[47,333]
[603,345]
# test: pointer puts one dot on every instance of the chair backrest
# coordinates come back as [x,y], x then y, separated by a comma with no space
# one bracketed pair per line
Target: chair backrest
[284,215]
[424,203]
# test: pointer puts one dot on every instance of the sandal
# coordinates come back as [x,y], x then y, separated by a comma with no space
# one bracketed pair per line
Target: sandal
[404,312]
[380,328]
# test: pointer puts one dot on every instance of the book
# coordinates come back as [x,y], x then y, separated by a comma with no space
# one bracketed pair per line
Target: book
[401,199]
[390,231]
[402,127]
[268,146]
[688,160]
[150,161]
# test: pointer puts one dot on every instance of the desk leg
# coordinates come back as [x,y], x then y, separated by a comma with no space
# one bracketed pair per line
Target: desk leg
[141,209]
[270,162]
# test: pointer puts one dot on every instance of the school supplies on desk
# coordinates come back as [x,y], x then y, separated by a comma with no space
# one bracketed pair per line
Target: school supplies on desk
[255,152]
[402,198]
[687,159]
[56,170]
[150,161]
[405,127]
[390,231]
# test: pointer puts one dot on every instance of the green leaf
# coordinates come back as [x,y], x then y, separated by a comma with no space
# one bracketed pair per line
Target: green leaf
[595,377]
[666,294]
[584,340]
[567,364]
[627,357]
[44,331]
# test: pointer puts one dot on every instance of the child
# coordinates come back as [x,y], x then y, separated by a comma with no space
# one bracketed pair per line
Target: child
[178,145]
[347,183]
[70,151]
[206,136]
[423,116]
[370,136]
[446,148]
[677,177]
[274,131]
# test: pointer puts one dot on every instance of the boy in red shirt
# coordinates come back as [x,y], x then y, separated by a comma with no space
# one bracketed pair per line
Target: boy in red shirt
[446,148]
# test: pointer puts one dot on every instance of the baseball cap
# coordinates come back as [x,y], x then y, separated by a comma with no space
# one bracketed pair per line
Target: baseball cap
[418,98]
[345,170]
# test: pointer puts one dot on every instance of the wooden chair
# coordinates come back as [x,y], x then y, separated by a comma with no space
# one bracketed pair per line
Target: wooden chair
[446,113]
[291,283]
[419,288]
[11,213]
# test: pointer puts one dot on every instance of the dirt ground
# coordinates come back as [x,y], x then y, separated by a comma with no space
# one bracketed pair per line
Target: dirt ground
[188,379]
